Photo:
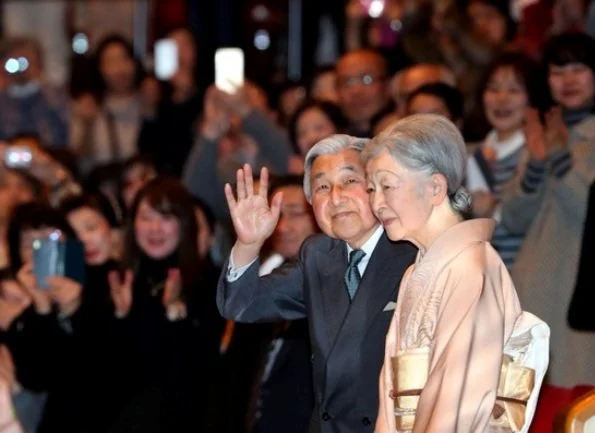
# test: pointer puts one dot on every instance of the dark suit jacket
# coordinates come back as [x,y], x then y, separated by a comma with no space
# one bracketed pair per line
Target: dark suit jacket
[347,337]
[580,312]
[286,398]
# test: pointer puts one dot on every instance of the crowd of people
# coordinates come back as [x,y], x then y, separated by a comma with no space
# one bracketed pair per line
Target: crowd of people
[260,261]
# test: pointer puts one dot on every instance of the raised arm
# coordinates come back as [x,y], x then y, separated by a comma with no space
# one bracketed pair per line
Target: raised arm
[242,295]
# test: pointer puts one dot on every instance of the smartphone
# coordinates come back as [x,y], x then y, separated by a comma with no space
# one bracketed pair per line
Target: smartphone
[229,69]
[56,257]
[18,157]
[166,59]
[375,8]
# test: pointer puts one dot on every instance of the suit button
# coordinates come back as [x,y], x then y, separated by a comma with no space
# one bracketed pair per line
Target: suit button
[326,416]
[366,421]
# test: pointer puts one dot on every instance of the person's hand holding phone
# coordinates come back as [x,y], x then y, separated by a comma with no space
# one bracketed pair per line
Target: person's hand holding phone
[66,294]
[175,308]
[215,122]
[121,292]
[41,299]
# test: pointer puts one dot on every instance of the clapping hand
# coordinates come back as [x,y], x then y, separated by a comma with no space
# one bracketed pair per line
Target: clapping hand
[254,219]
[121,292]
[175,308]
[535,135]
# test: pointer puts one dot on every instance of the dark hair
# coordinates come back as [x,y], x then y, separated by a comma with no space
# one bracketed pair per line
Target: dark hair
[279,182]
[138,159]
[503,8]
[527,71]
[167,196]
[92,200]
[570,47]
[330,110]
[33,216]
[449,95]
[114,39]
[207,211]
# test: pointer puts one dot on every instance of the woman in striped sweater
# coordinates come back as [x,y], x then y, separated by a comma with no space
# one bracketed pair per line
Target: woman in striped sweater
[510,87]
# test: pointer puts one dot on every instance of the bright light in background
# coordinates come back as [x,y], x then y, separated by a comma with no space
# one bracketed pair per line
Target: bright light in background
[376,8]
[80,43]
[262,40]
[12,66]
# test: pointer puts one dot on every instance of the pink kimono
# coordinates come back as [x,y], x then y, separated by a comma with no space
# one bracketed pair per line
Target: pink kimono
[461,356]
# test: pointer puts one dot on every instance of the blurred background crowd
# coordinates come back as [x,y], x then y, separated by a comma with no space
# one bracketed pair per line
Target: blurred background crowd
[96,147]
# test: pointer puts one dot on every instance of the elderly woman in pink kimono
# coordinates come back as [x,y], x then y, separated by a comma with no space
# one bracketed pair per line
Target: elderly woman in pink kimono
[461,355]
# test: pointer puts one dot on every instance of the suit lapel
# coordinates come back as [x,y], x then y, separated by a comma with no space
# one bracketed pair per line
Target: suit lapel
[379,283]
[377,288]
[335,298]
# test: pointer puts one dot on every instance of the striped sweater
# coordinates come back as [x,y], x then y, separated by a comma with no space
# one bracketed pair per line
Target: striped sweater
[510,157]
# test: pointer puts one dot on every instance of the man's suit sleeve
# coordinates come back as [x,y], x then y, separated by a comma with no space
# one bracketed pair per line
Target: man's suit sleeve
[250,298]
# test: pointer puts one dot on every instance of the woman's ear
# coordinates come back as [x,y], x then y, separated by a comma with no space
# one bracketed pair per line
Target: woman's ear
[438,188]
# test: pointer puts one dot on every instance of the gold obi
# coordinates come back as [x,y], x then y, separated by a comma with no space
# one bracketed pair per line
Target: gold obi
[410,374]
[514,389]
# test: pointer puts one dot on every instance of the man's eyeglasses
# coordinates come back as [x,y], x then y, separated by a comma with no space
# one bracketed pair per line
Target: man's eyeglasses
[364,80]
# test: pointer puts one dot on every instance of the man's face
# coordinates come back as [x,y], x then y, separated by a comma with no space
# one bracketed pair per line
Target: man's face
[411,80]
[296,222]
[339,197]
[361,87]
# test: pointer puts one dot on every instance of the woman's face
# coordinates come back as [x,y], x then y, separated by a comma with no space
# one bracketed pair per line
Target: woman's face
[312,126]
[117,69]
[487,22]
[157,235]
[133,180]
[28,236]
[505,101]
[398,197]
[571,85]
[94,232]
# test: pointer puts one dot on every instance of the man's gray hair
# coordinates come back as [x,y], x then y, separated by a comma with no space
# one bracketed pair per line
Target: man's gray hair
[430,144]
[329,146]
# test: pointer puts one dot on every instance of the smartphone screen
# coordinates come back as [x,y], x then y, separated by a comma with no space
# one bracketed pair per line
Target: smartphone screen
[166,59]
[18,157]
[53,257]
[229,69]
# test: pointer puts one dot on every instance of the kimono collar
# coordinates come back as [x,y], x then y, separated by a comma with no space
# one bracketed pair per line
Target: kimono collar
[457,238]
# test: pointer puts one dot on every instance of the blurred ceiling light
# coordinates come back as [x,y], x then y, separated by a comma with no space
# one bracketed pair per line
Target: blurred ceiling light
[262,40]
[376,8]
[80,43]
[260,13]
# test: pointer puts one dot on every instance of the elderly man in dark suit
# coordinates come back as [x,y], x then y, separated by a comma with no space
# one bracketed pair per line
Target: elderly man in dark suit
[344,282]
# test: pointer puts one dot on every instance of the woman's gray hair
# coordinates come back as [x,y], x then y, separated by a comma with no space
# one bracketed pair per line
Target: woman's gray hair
[329,146]
[430,144]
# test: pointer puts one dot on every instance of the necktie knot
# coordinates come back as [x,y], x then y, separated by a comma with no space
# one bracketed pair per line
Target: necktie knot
[352,275]
[355,257]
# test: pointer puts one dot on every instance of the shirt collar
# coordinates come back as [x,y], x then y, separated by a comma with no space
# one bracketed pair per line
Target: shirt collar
[370,244]
[507,147]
